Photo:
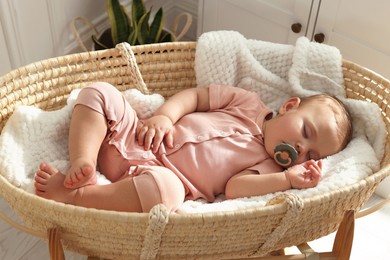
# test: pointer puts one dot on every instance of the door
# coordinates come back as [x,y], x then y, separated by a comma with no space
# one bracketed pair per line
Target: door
[360,29]
[268,20]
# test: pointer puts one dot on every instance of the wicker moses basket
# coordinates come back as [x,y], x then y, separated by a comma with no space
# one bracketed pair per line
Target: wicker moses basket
[166,69]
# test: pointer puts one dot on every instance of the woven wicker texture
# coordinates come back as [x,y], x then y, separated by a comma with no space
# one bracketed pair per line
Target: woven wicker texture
[166,69]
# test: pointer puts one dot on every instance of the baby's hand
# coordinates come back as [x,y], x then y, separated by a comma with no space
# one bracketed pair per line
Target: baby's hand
[305,175]
[153,131]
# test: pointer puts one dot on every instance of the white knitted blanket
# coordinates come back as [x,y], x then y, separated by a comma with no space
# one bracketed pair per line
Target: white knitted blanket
[275,71]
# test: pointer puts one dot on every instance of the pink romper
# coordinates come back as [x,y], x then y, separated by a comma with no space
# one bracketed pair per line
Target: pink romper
[209,147]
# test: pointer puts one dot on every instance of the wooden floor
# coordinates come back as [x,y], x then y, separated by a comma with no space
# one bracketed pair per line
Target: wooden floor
[371,239]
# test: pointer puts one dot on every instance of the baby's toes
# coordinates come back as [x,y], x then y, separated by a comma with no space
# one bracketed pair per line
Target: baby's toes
[68,182]
[48,169]
[39,179]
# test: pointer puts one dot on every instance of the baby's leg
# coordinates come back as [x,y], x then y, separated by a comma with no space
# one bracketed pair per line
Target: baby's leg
[87,131]
[118,196]
[139,192]
[101,112]
[157,185]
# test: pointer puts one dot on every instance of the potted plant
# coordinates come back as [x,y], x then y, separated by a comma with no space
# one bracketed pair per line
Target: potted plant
[135,29]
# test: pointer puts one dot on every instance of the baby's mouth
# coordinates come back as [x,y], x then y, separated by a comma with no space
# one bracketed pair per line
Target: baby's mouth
[285,154]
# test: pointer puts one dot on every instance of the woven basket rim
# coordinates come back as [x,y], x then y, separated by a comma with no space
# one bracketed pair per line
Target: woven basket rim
[13,194]
[150,48]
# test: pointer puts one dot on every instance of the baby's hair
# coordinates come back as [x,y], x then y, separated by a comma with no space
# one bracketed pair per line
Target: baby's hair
[341,112]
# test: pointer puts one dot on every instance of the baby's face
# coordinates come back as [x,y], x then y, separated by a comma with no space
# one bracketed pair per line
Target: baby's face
[310,128]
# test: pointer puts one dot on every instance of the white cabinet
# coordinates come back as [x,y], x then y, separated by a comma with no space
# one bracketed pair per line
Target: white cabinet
[359,28]
[268,20]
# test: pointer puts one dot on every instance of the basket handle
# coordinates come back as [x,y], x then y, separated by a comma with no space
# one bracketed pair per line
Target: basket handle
[158,219]
[294,209]
[76,33]
[186,26]
[128,54]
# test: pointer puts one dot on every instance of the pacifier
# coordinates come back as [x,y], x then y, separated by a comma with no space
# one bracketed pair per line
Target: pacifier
[285,154]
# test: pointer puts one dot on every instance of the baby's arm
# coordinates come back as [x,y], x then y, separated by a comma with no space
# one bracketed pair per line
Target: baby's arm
[155,129]
[249,183]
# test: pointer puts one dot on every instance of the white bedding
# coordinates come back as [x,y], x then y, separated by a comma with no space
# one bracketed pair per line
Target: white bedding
[274,71]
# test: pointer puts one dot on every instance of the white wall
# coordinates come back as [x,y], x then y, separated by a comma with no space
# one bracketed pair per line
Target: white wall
[39,29]
[4,57]
[34,30]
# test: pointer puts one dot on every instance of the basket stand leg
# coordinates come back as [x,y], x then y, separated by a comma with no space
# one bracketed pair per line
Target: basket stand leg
[55,247]
[342,245]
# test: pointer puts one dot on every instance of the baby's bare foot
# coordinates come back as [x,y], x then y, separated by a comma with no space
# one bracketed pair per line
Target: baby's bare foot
[49,184]
[80,174]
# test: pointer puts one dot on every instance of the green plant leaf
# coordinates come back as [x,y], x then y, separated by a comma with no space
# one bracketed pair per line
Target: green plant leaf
[143,29]
[98,43]
[166,37]
[138,10]
[157,25]
[119,21]
[132,40]
[135,29]
[128,21]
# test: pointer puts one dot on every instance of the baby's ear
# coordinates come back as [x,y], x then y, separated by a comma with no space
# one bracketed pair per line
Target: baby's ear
[290,103]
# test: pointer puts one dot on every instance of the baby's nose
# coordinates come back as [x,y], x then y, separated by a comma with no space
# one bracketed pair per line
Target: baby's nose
[301,148]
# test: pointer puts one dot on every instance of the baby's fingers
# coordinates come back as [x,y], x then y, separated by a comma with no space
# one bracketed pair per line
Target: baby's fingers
[158,138]
[140,134]
[148,138]
[169,139]
[313,176]
[316,167]
[319,163]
